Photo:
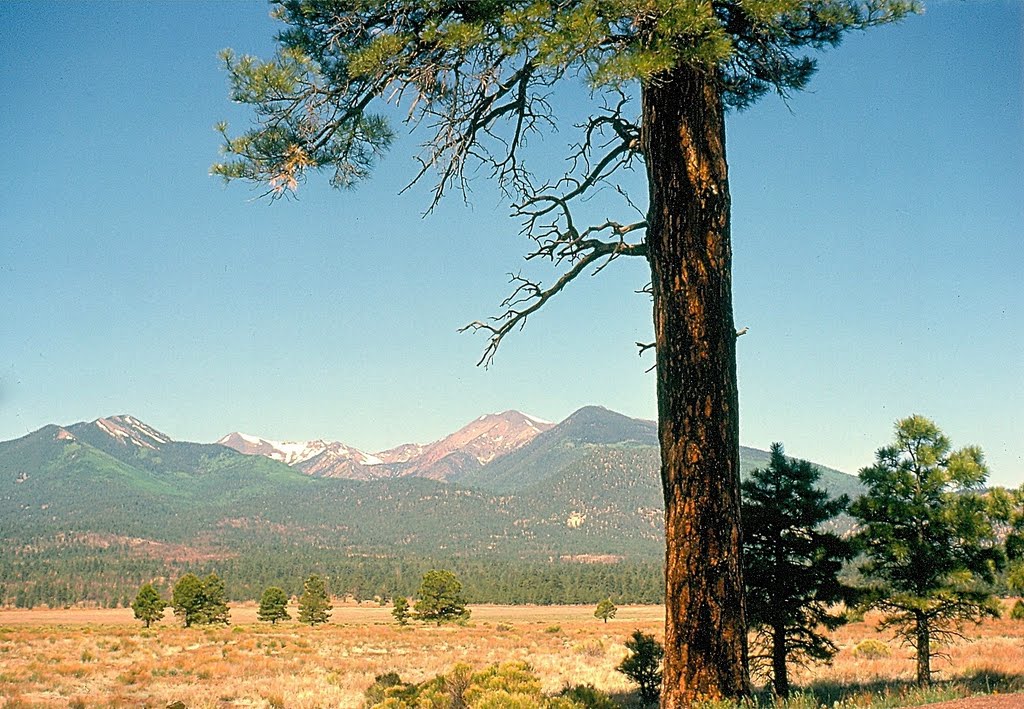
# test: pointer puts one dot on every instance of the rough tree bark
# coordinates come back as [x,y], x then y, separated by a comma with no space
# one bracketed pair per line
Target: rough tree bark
[698,417]
[780,674]
[687,245]
[924,654]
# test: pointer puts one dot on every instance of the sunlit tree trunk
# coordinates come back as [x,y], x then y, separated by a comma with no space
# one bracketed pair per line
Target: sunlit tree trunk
[698,421]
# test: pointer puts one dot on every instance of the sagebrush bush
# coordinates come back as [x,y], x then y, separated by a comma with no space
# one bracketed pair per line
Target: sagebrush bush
[588,696]
[590,648]
[871,649]
[387,686]
[511,685]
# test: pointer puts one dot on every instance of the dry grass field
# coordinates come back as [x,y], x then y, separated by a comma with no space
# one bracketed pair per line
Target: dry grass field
[84,657]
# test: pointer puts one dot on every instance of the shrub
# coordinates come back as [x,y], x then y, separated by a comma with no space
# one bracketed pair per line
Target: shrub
[588,697]
[512,685]
[1017,613]
[854,614]
[387,686]
[552,629]
[871,649]
[590,648]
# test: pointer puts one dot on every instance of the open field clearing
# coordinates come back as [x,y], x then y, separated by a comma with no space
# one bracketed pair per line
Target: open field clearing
[93,657]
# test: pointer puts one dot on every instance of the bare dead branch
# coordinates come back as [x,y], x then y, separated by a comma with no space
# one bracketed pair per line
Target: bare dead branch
[531,295]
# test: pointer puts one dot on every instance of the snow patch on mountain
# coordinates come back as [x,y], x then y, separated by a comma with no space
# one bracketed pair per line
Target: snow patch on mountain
[296,452]
[449,458]
[129,430]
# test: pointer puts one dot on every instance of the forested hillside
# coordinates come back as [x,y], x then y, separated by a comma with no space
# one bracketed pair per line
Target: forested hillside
[90,511]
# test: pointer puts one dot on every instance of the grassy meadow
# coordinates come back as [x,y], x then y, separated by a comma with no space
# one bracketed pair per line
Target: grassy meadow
[92,657]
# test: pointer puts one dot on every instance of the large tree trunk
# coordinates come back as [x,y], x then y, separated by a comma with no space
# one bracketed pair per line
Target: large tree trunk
[698,417]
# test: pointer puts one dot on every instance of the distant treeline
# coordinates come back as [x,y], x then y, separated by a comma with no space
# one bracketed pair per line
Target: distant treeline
[77,573]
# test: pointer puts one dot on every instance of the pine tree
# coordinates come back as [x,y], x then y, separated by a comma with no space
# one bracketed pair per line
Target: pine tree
[187,599]
[401,610]
[477,77]
[215,601]
[642,664]
[200,601]
[148,606]
[273,606]
[928,537]
[440,598]
[791,564]
[605,610]
[1006,508]
[314,604]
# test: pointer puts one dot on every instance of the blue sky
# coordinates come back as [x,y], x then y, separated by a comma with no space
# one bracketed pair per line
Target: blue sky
[877,242]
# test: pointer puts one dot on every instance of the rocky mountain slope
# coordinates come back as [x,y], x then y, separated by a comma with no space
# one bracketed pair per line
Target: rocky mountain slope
[448,459]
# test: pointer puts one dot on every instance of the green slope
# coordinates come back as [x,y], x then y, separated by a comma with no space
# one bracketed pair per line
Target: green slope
[552,450]
[593,429]
[52,483]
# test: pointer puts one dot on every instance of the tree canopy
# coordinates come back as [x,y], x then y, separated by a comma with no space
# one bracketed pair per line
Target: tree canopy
[476,78]
[148,606]
[273,605]
[440,599]
[314,603]
[187,599]
[605,610]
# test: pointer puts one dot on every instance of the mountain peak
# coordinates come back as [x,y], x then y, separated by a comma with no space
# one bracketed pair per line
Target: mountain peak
[128,430]
[296,452]
[475,444]
[596,424]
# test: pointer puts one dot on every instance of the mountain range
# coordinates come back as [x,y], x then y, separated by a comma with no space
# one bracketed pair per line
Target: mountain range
[505,486]
[448,460]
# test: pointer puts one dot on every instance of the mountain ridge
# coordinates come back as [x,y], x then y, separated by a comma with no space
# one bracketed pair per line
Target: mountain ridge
[587,487]
[446,459]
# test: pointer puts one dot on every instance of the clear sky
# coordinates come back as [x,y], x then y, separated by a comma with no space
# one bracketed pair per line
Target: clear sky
[877,238]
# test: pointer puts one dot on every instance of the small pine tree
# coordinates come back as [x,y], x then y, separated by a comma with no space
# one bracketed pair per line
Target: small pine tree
[273,606]
[606,610]
[928,537]
[215,601]
[643,665]
[401,610]
[148,606]
[200,601]
[791,565]
[187,599]
[440,598]
[314,604]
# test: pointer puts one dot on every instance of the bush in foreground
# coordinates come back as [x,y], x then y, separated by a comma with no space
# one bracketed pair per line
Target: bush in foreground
[511,685]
